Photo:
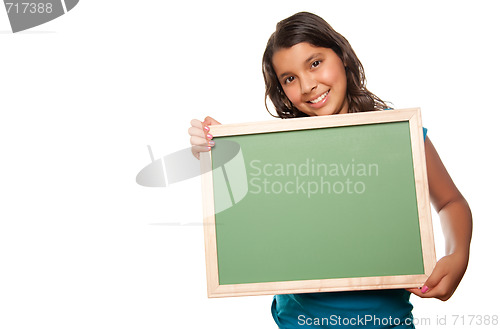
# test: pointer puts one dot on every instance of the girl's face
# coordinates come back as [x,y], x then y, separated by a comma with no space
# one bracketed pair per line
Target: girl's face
[313,79]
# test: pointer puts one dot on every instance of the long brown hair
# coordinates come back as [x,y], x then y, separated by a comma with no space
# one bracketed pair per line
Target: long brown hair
[310,28]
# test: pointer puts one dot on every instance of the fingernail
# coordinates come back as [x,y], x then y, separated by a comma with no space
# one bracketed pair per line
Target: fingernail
[206,128]
[209,148]
[209,136]
[211,143]
[424,289]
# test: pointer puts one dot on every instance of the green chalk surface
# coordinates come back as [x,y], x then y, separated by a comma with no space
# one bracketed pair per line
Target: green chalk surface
[321,204]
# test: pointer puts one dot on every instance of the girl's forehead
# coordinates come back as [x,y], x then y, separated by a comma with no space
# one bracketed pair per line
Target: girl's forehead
[299,54]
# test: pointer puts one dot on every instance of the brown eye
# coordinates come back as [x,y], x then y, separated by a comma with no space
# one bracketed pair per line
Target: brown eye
[289,79]
[315,63]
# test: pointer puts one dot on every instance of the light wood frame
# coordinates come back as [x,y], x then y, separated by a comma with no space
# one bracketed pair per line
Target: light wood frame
[412,116]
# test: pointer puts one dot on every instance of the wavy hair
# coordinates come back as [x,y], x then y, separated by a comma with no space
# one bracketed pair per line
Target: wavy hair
[310,28]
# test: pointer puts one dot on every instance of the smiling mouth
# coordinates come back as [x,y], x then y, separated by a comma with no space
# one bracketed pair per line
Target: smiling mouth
[319,99]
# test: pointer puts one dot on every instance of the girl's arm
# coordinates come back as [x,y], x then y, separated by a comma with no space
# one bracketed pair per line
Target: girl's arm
[456,221]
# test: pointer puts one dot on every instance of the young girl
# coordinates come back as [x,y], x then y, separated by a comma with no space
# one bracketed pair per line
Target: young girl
[310,69]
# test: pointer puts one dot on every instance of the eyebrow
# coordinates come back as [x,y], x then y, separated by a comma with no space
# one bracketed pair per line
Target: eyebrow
[310,58]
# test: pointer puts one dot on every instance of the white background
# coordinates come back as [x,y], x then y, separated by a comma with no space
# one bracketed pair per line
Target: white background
[83,246]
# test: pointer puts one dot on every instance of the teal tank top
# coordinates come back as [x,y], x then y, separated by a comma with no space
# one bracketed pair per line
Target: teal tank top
[347,309]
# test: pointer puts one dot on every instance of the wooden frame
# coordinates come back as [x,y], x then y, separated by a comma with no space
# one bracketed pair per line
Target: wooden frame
[412,116]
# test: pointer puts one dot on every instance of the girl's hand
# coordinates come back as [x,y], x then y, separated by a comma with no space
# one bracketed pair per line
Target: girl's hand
[445,277]
[200,136]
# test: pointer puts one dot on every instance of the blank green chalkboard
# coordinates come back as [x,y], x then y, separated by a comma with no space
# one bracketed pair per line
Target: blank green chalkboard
[317,204]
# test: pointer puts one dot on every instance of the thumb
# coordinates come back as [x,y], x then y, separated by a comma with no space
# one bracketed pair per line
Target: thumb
[433,280]
[209,121]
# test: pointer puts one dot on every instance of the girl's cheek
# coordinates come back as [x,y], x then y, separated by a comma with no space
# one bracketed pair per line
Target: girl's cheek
[293,95]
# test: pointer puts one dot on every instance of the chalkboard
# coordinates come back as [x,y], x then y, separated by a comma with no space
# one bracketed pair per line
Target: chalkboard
[317,204]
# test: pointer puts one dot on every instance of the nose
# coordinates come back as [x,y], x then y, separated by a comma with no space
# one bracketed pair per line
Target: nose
[308,83]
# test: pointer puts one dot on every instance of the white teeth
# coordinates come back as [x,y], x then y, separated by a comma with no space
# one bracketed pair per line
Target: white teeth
[320,98]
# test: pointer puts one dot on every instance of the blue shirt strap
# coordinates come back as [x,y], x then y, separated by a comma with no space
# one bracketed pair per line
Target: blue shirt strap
[425,129]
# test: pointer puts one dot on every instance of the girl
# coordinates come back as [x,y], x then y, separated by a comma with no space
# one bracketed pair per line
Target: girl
[310,69]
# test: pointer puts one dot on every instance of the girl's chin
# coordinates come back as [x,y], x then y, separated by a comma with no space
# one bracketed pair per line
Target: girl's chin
[320,112]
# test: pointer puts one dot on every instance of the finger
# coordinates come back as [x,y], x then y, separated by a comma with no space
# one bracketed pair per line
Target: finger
[209,121]
[195,131]
[440,291]
[419,293]
[196,154]
[415,291]
[197,149]
[198,141]
[434,279]
[196,123]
